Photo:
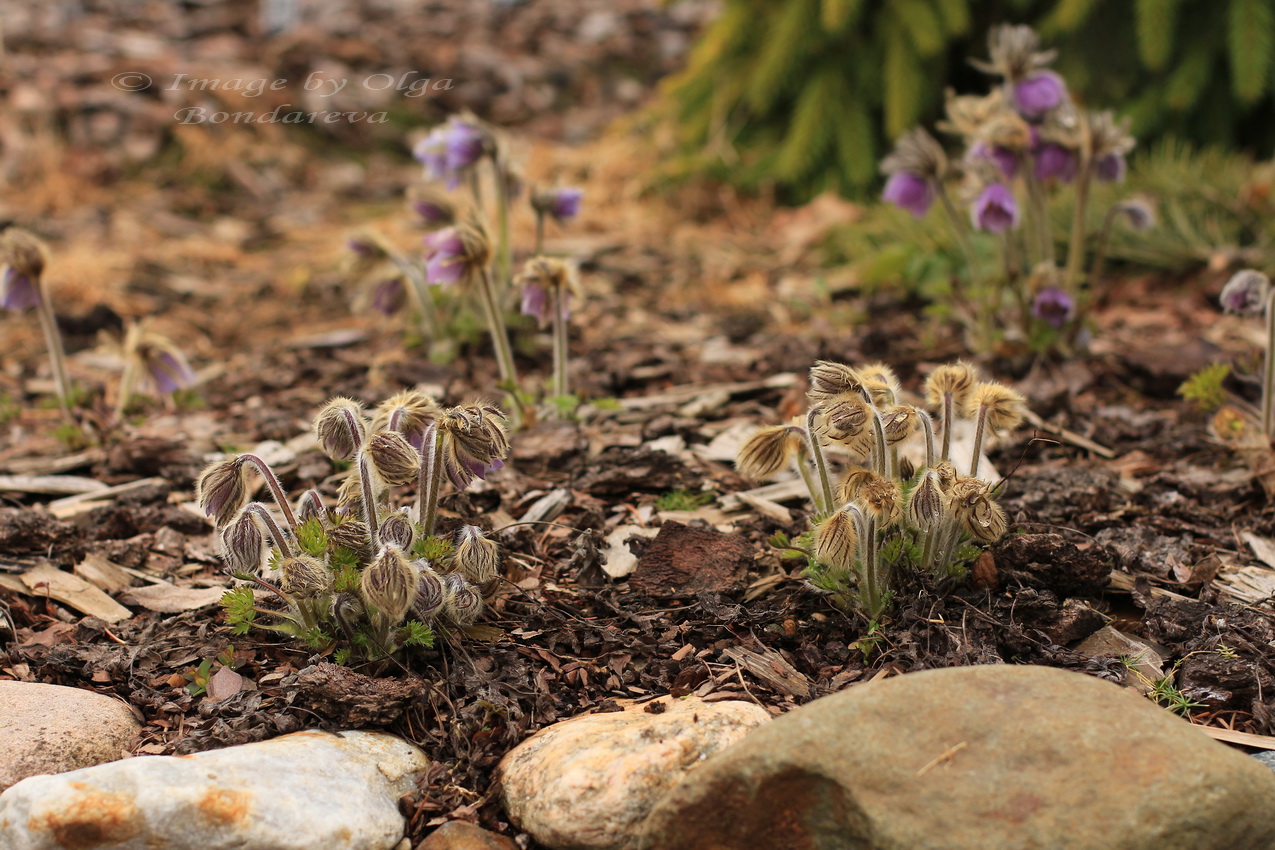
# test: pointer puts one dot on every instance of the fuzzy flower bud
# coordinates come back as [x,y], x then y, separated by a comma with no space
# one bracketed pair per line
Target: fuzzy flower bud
[1053,306]
[464,604]
[768,451]
[477,558]
[457,254]
[561,204]
[881,499]
[222,490]
[304,577]
[1038,93]
[1246,292]
[340,428]
[388,584]
[310,506]
[351,534]
[977,512]
[835,541]
[546,281]
[23,257]
[1137,213]
[844,421]
[1004,407]
[955,379]
[393,458]
[909,192]
[244,546]
[900,422]
[397,529]
[829,380]
[430,593]
[926,502]
[408,412]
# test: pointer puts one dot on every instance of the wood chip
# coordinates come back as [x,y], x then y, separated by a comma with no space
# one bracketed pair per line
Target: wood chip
[70,590]
[50,485]
[101,573]
[1244,739]
[766,507]
[54,465]
[771,669]
[102,492]
[171,599]
[548,507]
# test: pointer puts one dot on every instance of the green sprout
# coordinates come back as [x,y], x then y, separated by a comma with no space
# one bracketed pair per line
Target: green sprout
[1204,389]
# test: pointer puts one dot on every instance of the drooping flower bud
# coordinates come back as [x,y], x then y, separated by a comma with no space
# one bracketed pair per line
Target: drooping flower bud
[561,204]
[881,383]
[835,541]
[899,423]
[477,558]
[222,489]
[340,428]
[828,380]
[244,544]
[926,502]
[351,534]
[388,584]
[978,513]
[310,506]
[909,192]
[956,379]
[1246,292]
[881,499]
[844,421]
[408,412]
[996,210]
[1004,407]
[768,451]
[23,257]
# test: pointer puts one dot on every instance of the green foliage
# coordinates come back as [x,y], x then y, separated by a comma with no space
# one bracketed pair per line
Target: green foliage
[804,94]
[417,634]
[312,538]
[433,549]
[197,677]
[240,606]
[1204,388]
[683,500]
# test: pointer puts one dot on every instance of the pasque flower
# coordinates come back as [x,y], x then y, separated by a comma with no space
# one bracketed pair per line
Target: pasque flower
[1004,158]
[17,291]
[1056,162]
[909,192]
[455,254]
[451,149]
[562,204]
[995,210]
[914,168]
[1053,306]
[1111,168]
[1037,93]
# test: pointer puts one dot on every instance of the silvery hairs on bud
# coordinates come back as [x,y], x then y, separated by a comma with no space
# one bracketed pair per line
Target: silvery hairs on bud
[398,529]
[243,544]
[393,459]
[430,593]
[304,577]
[388,584]
[477,558]
[222,489]
[463,603]
[341,428]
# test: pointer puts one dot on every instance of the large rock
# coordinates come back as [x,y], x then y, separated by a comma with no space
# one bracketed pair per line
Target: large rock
[52,729]
[587,783]
[973,758]
[305,790]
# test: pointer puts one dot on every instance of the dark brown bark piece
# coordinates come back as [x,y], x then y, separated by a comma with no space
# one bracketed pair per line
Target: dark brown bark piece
[686,559]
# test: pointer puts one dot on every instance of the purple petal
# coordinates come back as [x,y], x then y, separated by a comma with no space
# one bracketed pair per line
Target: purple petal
[17,291]
[465,145]
[170,372]
[1111,168]
[1053,306]
[389,296]
[1053,161]
[566,203]
[995,210]
[1006,160]
[910,192]
[1036,95]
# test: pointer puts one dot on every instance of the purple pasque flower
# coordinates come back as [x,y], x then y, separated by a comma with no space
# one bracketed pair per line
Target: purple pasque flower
[1053,161]
[1111,168]
[445,259]
[1037,93]
[537,301]
[169,371]
[431,152]
[389,296]
[1053,306]
[17,291]
[995,210]
[910,192]
[1004,158]
[565,203]
[1245,292]
[432,212]
[464,145]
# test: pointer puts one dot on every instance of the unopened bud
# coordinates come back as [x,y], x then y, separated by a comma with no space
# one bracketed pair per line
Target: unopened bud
[243,543]
[340,428]
[477,558]
[393,458]
[464,604]
[222,489]
[430,593]
[925,502]
[304,577]
[397,529]
[388,584]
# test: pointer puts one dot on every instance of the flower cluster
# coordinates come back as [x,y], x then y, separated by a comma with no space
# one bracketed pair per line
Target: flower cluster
[364,570]
[887,511]
[1024,141]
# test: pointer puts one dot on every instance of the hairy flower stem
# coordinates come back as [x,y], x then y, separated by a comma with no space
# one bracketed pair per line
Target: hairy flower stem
[369,503]
[429,482]
[803,469]
[980,428]
[420,289]
[276,489]
[558,297]
[961,229]
[540,234]
[499,337]
[871,569]
[927,427]
[878,446]
[1076,251]
[1268,370]
[280,541]
[927,547]
[946,452]
[1042,233]
[57,354]
[502,220]
[821,463]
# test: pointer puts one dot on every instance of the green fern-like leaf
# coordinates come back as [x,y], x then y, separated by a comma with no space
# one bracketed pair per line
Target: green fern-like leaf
[1250,40]
[811,129]
[1184,86]
[922,24]
[1156,22]
[955,15]
[783,51]
[838,15]
[904,84]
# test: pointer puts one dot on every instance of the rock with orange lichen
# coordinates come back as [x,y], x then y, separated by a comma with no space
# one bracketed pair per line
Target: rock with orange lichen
[52,729]
[587,783]
[305,790]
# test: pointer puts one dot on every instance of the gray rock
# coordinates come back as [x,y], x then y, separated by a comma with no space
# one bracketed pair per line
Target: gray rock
[305,790]
[52,729]
[588,782]
[1266,757]
[973,758]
